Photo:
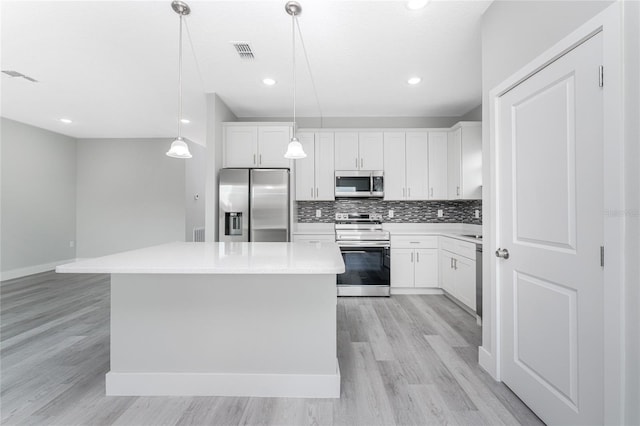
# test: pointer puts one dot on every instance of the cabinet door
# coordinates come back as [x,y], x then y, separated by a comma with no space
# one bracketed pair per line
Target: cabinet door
[438,166]
[394,166]
[447,276]
[305,176]
[471,163]
[325,172]
[371,151]
[272,144]
[346,151]
[417,166]
[453,164]
[465,281]
[240,146]
[402,261]
[426,268]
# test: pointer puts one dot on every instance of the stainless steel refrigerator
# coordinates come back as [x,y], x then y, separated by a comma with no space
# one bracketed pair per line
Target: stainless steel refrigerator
[254,204]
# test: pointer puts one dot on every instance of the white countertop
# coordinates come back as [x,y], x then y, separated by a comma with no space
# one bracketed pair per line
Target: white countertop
[217,258]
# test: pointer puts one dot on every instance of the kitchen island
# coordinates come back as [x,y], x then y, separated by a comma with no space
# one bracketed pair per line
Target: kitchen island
[228,319]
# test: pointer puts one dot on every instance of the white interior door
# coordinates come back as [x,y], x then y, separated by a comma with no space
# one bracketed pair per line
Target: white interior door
[550,216]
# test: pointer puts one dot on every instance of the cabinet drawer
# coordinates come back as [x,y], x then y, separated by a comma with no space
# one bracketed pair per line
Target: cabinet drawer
[458,247]
[314,238]
[419,241]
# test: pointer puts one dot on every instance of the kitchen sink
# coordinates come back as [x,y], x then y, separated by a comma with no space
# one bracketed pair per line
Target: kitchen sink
[478,237]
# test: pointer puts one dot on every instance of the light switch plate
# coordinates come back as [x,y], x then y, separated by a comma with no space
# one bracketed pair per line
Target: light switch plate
[440,213]
[318,213]
[477,214]
[390,214]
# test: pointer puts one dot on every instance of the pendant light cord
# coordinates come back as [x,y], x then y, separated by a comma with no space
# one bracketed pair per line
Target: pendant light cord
[313,82]
[180,82]
[293,44]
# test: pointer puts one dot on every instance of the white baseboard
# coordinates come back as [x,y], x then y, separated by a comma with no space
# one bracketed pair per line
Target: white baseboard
[221,384]
[30,270]
[412,290]
[487,362]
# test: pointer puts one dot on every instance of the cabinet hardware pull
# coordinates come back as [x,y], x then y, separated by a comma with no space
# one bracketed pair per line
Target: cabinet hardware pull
[254,159]
[403,193]
[316,192]
[361,163]
[356,162]
[455,264]
[411,257]
[451,263]
[409,192]
[260,158]
[311,192]
[417,257]
[431,192]
[457,190]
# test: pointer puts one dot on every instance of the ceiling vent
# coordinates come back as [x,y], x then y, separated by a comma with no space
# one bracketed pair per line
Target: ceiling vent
[244,50]
[18,74]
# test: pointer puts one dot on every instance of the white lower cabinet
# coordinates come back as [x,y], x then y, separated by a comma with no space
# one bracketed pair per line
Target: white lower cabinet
[414,262]
[458,270]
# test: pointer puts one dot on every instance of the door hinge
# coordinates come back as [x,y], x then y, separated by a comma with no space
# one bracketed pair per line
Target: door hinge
[601,76]
[602,256]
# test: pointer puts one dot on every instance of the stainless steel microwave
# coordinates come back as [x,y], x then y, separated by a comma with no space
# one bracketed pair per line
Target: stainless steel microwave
[359,183]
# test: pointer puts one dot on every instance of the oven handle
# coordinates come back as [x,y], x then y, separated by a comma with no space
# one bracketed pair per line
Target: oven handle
[347,244]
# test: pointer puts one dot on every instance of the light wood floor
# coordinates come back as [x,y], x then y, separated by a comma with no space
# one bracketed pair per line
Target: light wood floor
[407,360]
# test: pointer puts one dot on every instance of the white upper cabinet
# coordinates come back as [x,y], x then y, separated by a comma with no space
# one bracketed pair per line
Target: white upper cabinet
[272,144]
[395,185]
[305,168]
[464,174]
[358,151]
[405,166]
[314,174]
[346,151]
[252,145]
[438,166]
[240,146]
[417,165]
[371,151]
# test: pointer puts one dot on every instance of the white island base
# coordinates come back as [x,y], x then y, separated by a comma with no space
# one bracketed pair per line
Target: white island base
[236,329]
[227,335]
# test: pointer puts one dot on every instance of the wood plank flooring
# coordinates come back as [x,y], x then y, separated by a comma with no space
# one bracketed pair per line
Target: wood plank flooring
[404,360]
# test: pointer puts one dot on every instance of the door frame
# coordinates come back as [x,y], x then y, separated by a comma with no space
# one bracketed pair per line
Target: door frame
[609,23]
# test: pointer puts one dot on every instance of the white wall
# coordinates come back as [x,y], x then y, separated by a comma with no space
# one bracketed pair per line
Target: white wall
[473,115]
[195,183]
[513,34]
[217,113]
[632,217]
[129,195]
[38,199]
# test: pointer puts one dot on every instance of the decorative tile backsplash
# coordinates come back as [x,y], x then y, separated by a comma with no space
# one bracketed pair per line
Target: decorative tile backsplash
[403,211]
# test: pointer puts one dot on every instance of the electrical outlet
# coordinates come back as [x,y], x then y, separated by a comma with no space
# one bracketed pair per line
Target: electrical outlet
[390,214]
[477,214]
[72,244]
[318,213]
[440,213]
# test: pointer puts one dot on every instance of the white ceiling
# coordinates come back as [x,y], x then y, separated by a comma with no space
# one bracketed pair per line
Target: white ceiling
[111,67]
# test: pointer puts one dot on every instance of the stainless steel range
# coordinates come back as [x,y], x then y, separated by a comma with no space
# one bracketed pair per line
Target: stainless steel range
[365,248]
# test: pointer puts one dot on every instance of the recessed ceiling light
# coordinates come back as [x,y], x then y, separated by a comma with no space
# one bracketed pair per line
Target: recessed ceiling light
[414,80]
[185,121]
[269,81]
[416,4]
[65,121]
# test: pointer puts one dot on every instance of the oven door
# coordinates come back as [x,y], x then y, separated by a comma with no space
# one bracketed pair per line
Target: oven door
[367,269]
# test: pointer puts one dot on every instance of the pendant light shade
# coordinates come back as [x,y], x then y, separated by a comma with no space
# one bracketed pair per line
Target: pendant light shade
[179,148]
[294,150]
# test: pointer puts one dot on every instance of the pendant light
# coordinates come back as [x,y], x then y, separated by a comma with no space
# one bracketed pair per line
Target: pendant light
[294,150]
[179,148]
